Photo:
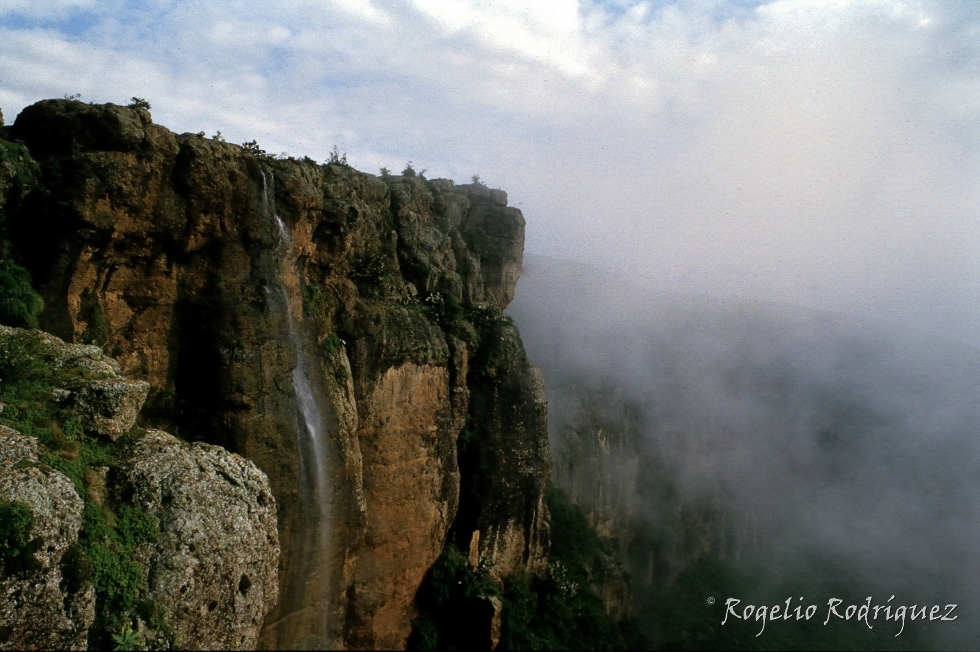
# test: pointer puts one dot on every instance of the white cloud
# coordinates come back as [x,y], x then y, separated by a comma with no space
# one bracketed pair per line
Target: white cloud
[45,9]
[794,145]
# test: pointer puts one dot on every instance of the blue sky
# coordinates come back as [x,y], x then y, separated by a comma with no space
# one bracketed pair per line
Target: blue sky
[811,151]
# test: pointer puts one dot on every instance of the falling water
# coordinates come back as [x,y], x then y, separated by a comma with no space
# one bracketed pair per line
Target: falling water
[307,580]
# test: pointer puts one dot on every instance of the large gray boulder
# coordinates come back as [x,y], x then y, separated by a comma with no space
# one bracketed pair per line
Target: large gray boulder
[39,609]
[214,566]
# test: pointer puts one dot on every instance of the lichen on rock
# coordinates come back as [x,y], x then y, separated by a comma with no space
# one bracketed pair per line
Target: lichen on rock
[172,543]
[213,567]
[38,610]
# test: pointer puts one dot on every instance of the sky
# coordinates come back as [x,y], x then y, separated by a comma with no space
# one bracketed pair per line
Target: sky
[815,152]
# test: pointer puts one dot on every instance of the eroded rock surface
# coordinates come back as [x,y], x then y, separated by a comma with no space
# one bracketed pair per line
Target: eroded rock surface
[214,566]
[214,273]
[209,553]
[39,609]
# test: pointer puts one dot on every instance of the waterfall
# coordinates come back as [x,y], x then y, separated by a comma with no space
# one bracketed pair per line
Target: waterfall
[307,578]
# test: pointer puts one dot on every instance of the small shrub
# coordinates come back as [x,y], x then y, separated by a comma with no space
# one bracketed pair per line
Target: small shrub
[252,147]
[332,343]
[76,569]
[95,331]
[138,103]
[16,553]
[448,600]
[136,526]
[127,639]
[337,157]
[20,304]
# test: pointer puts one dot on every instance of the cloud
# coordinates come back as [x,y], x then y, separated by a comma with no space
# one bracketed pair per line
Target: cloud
[797,150]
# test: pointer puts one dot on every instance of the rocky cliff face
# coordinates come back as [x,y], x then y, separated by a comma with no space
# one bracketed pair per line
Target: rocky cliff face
[342,331]
[184,535]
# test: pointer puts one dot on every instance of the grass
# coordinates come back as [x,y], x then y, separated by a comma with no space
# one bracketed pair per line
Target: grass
[104,554]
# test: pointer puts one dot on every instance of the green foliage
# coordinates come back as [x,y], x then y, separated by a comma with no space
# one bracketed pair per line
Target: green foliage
[332,343]
[96,331]
[449,602]
[444,308]
[336,157]
[252,147]
[20,362]
[72,429]
[385,173]
[127,639]
[561,610]
[557,610]
[483,317]
[340,373]
[409,170]
[315,299]
[16,551]
[138,103]
[15,156]
[104,555]
[135,526]
[20,304]
[573,540]
[116,576]
[373,272]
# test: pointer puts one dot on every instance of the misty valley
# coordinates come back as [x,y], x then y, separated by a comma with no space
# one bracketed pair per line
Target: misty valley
[256,401]
[782,461]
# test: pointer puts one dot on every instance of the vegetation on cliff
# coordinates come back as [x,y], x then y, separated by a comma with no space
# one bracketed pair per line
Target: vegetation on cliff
[559,609]
[32,374]
[81,529]
[322,321]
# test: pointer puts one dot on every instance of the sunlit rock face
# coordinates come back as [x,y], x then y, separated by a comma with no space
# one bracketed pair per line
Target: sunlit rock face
[333,327]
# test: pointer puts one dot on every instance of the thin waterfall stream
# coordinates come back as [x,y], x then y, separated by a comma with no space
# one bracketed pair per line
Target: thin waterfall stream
[307,578]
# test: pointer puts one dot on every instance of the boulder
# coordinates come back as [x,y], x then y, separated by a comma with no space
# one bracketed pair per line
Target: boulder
[39,609]
[214,566]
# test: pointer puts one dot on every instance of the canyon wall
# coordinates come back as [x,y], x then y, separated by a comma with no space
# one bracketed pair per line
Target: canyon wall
[342,331]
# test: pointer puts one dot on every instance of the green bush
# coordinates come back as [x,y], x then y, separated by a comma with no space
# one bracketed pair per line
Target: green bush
[20,305]
[561,610]
[16,551]
[332,343]
[449,603]
[104,555]
[556,610]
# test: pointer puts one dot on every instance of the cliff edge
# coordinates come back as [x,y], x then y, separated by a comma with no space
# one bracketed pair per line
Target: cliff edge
[343,331]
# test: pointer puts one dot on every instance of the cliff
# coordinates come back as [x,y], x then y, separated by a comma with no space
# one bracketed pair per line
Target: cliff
[108,529]
[340,330]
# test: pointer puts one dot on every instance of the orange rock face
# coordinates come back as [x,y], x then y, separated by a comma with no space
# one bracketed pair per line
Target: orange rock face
[334,327]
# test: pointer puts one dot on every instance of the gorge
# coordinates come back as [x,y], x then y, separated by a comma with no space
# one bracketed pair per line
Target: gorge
[363,454]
